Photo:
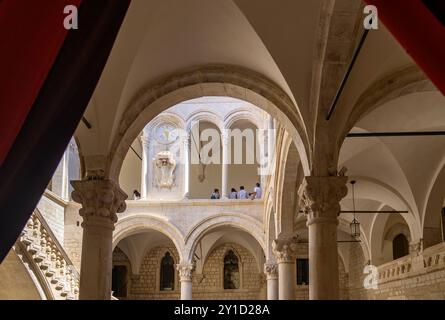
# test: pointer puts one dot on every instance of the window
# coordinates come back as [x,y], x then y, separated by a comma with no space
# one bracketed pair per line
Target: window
[400,246]
[302,272]
[119,281]
[231,271]
[167,273]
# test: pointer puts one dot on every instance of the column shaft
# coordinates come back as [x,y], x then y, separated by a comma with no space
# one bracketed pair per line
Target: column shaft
[272,289]
[323,262]
[320,198]
[101,200]
[285,250]
[144,170]
[271,271]
[96,262]
[286,280]
[226,155]
[185,275]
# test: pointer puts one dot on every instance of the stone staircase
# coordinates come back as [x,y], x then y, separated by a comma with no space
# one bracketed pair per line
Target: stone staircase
[40,250]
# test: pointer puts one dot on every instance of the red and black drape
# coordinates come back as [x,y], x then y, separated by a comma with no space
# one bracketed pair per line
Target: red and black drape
[47,77]
[419,26]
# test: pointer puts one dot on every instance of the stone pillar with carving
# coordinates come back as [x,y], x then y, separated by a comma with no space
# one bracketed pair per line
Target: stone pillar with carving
[320,200]
[145,141]
[285,250]
[226,155]
[271,272]
[101,200]
[185,276]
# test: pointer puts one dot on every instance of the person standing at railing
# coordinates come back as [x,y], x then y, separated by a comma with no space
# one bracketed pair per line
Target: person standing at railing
[215,194]
[233,194]
[242,194]
[257,192]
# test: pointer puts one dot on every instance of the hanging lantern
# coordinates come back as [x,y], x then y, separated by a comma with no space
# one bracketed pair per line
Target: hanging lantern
[354,225]
[355,228]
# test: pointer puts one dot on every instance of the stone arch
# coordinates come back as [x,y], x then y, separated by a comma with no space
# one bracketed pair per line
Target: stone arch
[396,84]
[431,218]
[165,117]
[209,80]
[138,223]
[204,115]
[290,176]
[397,229]
[247,224]
[378,234]
[391,197]
[241,114]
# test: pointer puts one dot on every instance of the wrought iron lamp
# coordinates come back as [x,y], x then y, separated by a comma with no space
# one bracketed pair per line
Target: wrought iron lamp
[354,225]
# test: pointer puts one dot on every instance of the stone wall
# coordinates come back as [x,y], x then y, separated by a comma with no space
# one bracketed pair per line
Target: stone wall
[210,284]
[54,215]
[73,234]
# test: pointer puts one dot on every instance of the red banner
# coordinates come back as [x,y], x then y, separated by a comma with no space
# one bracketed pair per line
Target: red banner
[419,31]
[31,34]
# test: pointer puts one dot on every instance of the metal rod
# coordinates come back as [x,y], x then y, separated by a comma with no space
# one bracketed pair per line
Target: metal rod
[346,76]
[338,241]
[136,153]
[396,134]
[369,211]
[373,211]
[86,123]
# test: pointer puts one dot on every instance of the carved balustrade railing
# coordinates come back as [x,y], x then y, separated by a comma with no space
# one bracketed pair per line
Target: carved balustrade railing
[41,251]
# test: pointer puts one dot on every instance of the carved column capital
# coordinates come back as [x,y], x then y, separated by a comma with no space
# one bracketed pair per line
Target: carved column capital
[320,198]
[285,250]
[271,270]
[185,271]
[100,200]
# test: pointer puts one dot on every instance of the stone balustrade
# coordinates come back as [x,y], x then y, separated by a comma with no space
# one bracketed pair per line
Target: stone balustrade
[46,258]
[187,213]
[430,260]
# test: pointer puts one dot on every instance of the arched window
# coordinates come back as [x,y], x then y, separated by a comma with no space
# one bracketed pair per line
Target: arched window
[231,271]
[400,246]
[167,273]
[119,281]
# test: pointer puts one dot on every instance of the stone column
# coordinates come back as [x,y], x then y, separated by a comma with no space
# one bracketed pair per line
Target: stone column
[271,272]
[100,200]
[226,155]
[285,250]
[185,277]
[145,161]
[186,155]
[320,199]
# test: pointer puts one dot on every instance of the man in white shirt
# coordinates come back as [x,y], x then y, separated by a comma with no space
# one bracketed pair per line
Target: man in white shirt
[258,192]
[242,194]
